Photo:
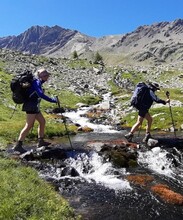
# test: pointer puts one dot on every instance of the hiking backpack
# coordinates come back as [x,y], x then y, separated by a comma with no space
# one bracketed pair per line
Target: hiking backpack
[139,94]
[19,86]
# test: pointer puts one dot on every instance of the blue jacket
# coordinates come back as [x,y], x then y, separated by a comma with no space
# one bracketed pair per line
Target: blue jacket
[35,93]
[149,98]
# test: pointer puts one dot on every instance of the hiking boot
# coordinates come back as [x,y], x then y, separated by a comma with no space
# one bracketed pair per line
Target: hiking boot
[19,148]
[42,143]
[129,136]
[146,138]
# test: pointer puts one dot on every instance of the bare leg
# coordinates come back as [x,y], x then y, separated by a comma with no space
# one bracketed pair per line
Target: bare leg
[29,124]
[41,128]
[137,124]
[149,122]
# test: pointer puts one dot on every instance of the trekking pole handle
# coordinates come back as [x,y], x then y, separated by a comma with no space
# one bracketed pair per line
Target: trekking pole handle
[168,94]
[168,97]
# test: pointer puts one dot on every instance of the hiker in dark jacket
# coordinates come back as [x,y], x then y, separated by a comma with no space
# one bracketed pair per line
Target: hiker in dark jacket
[32,109]
[148,100]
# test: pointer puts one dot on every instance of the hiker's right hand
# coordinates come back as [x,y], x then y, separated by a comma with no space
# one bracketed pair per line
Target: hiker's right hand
[55,100]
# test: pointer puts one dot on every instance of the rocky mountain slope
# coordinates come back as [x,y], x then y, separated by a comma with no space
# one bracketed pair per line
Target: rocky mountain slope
[84,79]
[66,74]
[159,43]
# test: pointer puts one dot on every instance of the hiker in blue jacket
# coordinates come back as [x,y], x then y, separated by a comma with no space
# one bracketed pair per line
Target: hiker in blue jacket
[143,113]
[32,109]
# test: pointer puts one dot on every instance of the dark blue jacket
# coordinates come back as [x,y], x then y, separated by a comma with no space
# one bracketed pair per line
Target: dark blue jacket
[149,98]
[35,93]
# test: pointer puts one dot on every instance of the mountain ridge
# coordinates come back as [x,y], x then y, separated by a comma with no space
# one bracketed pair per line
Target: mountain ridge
[155,44]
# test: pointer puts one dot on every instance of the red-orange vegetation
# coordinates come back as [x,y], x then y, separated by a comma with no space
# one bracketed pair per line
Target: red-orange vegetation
[167,194]
[142,180]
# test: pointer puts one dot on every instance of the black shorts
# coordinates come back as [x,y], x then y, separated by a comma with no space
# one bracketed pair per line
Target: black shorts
[32,112]
[31,107]
[143,112]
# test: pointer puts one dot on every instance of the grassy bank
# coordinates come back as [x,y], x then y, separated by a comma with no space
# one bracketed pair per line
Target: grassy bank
[25,196]
[161,118]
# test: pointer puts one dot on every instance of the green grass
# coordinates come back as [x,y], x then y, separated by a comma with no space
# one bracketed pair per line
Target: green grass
[161,118]
[80,63]
[168,75]
[25,196]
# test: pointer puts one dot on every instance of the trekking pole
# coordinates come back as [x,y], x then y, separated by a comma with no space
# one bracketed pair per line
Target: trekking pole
[173,124]
[13,112]
[64,121]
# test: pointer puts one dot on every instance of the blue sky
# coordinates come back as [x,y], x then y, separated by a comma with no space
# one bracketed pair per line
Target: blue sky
[91,17]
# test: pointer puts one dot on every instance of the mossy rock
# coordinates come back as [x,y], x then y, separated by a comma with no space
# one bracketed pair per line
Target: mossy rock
[118,159]
[132,163]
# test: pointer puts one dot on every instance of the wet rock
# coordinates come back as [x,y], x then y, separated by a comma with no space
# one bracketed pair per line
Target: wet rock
[132,163]
[55,110]
[99,145]
[118,152]
[69,171]
[166,142]
[171,157]
[122,159]
[85,129]
[28,156]
[117,158]
[58,110]
[152,142]
[55,153]
[171,142]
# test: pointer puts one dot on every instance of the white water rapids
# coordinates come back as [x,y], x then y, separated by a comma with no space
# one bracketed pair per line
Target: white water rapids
[156,160]
[103,173]
[77,117]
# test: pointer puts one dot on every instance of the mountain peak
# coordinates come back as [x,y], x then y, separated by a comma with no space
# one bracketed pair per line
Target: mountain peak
[156,43]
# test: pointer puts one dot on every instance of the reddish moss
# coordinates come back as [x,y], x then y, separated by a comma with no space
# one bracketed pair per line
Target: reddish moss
[167,194]
[142,180]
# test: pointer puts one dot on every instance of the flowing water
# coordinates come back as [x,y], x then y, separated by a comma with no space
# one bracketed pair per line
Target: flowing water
[102,192]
